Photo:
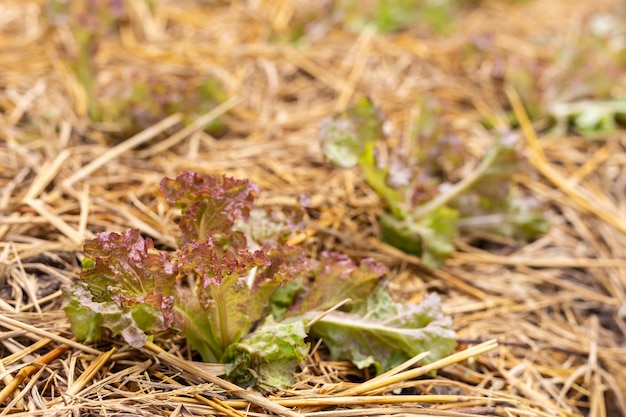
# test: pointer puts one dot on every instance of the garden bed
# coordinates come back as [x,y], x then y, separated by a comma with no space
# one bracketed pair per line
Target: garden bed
[88,130]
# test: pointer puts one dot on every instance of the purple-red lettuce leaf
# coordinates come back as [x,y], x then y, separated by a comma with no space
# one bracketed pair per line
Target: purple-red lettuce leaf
[383,333]
[124,271]
[334,278]
[209,205]
[268,357]
[288,264]
[436,152]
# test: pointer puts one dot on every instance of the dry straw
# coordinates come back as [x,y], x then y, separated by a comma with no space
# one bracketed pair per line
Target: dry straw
[540,326]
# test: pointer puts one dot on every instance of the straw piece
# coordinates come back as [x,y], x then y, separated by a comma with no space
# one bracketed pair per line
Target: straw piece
[220,406]
[90,372]
[326,312]
[123,147]
[31,369]
[361,49]
[198,124]
[539,160]
[18,399]
[45,212]
[374,400]
[25,352]
[591,165]
[541,263]
[47,173]
[12,324]
[22,105]
[251,396]
[138,368]
[377,383]
[216,404]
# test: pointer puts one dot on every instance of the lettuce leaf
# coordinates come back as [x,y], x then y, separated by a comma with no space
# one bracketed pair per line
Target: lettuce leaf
[221,301]
[385,334]
[232,294]
[429,236]
[334,278]
[346,136]
[269,356]
[88,317]
[371,329]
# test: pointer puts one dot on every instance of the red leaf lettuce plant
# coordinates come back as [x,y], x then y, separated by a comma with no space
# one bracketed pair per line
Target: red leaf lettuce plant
[253,295]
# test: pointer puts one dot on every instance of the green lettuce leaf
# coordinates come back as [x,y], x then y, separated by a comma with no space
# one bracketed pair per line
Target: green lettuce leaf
[268,357]
[88,317]
[346,136]
[85,322]
[385,334]
[429,236]
[201,329]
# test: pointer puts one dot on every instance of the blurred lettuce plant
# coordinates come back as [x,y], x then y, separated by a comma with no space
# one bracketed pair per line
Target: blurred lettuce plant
[138,99]
[392,15]
[88,21]
[130,100]
[425,212]
[579,87]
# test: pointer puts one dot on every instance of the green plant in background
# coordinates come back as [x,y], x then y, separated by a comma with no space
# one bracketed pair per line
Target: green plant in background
[578,87]
[309,19]
[425,211]
[138,99]
[392,15]
[255,298]
[131,100]
[301,21]
[88,21]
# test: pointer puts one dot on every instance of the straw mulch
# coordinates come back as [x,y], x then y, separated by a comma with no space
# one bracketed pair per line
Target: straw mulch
[540,326]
